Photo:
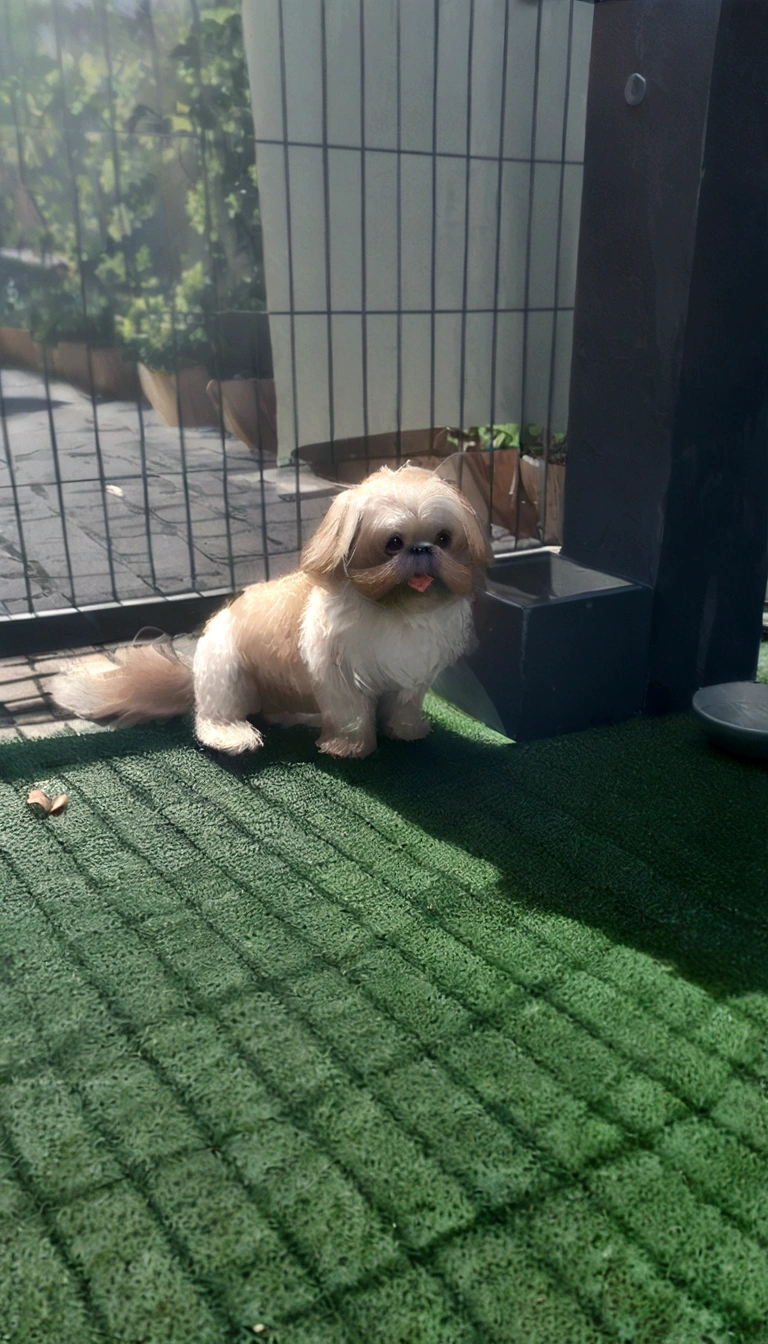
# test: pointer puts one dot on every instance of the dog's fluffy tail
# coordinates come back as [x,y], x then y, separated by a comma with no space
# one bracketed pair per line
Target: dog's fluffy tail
[151,683]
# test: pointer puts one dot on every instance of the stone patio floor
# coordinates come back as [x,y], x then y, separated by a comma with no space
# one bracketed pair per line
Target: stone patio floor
[194,515]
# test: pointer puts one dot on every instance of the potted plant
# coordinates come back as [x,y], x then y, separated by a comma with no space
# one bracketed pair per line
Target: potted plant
[223,205]
[542,470]
[248,409]
[167,236]
[502,468]
[486,468]
[243,391]
[16,344]
[26,283]
[172,349]
[70,301]
[81,345]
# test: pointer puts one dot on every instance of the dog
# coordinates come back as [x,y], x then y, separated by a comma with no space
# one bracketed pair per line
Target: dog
[349,642]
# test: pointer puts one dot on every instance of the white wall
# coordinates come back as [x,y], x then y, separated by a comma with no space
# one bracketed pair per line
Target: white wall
[315,151]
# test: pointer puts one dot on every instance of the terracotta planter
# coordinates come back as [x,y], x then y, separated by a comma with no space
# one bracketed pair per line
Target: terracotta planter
[349,461]
[160,389]
[491,482]
[17,347]
[532,476]
[249,410]
[108,374]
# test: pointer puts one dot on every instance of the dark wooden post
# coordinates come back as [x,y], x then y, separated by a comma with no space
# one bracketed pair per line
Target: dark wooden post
[667,480]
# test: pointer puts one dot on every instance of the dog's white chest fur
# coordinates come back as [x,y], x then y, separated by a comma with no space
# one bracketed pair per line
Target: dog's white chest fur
[378,649]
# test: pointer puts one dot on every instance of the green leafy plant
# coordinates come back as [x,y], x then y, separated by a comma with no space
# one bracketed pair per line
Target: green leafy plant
[530,439]
[56,313]
[211,311]
[80,189]
[152,197]
[166,336]
[483,438]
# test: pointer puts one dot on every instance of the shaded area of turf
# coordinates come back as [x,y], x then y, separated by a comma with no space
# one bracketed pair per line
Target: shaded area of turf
[464,1042]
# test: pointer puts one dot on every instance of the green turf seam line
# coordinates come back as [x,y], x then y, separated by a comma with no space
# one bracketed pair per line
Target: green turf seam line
[438,1242]
[209,1138]
[43,1211]
[587,1027]
[611,1117]
[196,1275]
[538,938]
[261,981]
[724,1213]
[514,1208]
[593,965]
[351,1175]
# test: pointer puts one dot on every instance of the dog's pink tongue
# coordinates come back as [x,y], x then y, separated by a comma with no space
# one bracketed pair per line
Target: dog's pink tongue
[420,582]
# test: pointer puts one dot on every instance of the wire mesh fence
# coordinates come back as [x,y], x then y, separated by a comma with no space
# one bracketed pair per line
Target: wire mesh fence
[245,257]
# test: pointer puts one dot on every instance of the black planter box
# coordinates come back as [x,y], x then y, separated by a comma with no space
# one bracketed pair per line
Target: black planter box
[560,647]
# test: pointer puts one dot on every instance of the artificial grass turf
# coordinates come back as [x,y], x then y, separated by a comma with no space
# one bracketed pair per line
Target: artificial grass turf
[463,1042]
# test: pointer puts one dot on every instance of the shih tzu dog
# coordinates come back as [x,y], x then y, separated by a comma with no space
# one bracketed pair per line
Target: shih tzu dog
[352,640]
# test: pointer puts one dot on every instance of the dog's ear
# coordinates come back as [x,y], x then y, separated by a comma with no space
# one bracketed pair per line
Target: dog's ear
[326,553]
[477,538]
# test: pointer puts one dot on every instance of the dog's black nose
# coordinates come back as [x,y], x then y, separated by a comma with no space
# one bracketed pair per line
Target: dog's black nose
[423,549]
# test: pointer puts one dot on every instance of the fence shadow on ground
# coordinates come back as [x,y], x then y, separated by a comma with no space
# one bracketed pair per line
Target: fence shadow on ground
[642,831]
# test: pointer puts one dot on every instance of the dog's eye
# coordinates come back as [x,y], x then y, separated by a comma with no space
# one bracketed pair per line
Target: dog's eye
[443,539]
[394,544]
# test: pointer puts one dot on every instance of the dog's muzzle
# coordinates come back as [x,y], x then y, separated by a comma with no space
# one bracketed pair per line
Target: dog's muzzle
[422,575]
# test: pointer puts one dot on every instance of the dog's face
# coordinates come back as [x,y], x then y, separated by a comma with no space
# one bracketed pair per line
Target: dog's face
[402,537]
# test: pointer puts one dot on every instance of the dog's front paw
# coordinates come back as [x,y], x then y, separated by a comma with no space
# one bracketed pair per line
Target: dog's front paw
[233,738]
[407,731]
[346,746]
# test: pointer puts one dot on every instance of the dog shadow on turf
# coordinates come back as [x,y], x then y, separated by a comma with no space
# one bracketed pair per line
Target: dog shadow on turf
[642,831]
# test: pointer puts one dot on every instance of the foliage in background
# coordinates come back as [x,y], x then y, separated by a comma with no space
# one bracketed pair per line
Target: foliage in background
[127,149]
[529,438]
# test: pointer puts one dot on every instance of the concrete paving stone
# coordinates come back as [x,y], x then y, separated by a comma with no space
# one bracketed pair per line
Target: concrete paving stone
[85,505]
[27,715]
[17,683]
[46,668]
[176,514]
[49,665]
[79,726]
[283,537]
[13,662]
[46,727]
[170,552]
[36,502]
[20,689]
[15,592]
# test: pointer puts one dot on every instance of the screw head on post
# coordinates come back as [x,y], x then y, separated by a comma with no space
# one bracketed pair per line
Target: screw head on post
[634,89]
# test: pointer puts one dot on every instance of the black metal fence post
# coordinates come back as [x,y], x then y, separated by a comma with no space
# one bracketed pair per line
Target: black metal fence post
[668,436]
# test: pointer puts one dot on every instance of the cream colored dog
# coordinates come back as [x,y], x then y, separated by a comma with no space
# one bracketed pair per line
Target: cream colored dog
[380,604]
